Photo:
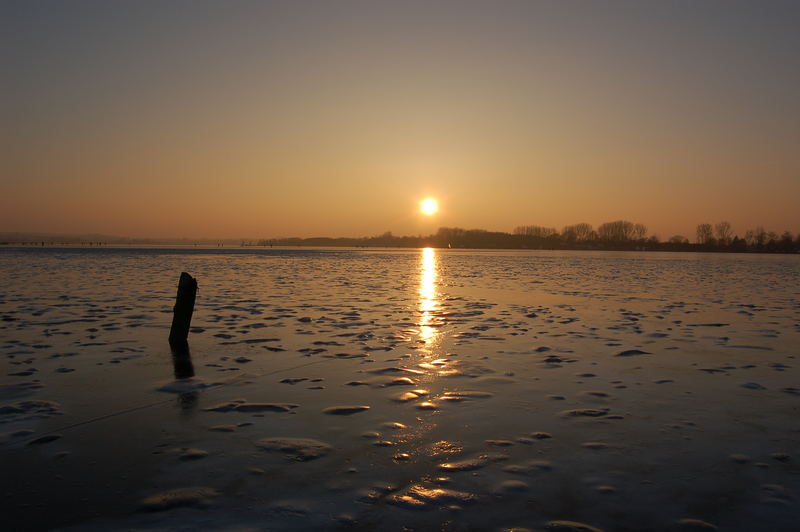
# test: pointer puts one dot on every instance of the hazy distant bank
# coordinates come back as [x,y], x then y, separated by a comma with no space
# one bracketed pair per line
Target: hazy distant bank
[615,236]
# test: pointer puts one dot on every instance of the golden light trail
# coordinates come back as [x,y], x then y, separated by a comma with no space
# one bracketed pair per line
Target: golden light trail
[428,303]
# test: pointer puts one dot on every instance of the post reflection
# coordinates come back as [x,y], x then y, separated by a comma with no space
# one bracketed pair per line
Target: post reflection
[181,360]
[428,302]
[183,369]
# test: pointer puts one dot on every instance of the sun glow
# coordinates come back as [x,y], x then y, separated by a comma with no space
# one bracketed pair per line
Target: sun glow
[429,206]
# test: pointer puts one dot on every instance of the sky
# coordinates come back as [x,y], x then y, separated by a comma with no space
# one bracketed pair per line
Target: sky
[335,118]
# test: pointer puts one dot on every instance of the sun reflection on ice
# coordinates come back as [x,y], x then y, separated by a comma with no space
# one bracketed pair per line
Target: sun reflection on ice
[428,302]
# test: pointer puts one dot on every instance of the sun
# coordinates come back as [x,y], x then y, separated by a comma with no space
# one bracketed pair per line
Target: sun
[429,206]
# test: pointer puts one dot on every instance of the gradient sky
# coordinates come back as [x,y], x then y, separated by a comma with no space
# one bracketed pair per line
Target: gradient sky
[330,118]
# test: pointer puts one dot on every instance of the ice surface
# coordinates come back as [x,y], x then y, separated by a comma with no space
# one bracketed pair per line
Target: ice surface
[399,389]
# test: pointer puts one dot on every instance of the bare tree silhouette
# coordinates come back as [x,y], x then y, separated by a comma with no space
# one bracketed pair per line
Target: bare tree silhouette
[723,232]
[639,231]
[618,231]
[704,234]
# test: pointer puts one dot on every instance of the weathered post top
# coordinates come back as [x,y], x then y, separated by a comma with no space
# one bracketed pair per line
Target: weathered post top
[186,281]
[184,307]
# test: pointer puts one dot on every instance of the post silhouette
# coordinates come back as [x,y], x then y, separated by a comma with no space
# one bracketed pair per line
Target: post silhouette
[182,312]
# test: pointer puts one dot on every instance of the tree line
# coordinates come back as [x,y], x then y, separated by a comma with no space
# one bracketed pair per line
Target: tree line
[616,235]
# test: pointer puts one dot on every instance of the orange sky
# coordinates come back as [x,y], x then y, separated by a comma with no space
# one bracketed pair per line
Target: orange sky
[268,120]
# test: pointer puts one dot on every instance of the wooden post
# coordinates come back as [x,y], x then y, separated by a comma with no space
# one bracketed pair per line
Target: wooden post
[182,312]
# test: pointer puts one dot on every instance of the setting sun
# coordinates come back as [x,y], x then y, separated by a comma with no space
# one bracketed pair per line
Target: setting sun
[429,206]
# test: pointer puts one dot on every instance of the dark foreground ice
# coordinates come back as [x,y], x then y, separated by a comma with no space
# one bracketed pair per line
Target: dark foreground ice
[400,390]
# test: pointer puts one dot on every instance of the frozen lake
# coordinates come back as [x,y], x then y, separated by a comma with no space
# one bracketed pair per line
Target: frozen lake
[400,390]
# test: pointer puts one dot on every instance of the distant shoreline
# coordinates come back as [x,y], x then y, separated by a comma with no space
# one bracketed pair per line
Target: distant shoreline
[620,235]
[690,248]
